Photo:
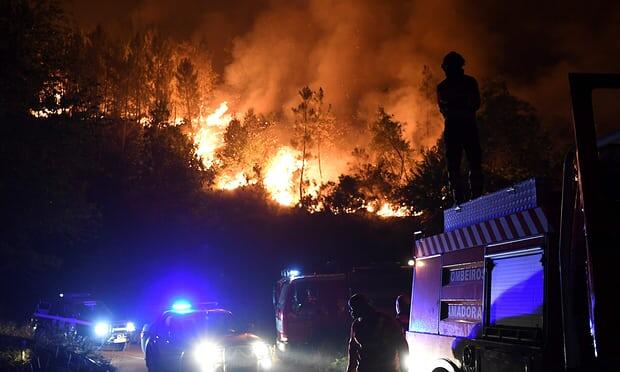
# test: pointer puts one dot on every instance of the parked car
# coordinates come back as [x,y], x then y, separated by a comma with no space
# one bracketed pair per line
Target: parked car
[82,319]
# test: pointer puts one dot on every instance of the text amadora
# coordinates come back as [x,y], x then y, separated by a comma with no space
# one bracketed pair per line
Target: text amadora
[465,312]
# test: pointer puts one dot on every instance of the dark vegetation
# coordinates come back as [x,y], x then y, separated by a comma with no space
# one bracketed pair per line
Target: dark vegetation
[102,193]
[19,352]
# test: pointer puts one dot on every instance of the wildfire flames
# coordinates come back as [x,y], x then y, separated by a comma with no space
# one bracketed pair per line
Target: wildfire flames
[210,136]
[238,180]
[281,175]
[388,210]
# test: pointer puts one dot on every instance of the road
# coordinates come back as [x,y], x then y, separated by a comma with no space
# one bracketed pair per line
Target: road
[130,360]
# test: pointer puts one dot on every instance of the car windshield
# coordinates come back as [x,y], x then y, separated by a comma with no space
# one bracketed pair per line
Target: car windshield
[199,323]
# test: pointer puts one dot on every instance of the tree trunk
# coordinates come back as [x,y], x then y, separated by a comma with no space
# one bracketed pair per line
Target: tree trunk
[318,150]
[186,99]
[402,162]
[303,163]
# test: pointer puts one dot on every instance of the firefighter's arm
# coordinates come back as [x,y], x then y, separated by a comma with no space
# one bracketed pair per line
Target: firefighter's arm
[441,102]
[353,351]
[475,95]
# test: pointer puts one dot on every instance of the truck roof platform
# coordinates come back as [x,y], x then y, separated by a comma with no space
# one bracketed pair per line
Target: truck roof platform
[509,214]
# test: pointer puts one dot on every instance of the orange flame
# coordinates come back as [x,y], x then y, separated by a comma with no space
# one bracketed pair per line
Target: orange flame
[240,179]
[279,178]
[218,118]
[210,136]
[387,210]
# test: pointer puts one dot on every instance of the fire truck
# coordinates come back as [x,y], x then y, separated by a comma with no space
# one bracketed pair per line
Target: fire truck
[520,280]
[311,308]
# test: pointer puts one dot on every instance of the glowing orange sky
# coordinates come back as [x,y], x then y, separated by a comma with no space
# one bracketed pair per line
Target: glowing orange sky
[367,52]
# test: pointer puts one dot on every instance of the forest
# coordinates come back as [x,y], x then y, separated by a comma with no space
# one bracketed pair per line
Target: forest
[122,149]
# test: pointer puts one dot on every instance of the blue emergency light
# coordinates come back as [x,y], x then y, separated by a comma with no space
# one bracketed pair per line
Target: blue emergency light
[290,273]
[181,306]
[293,273]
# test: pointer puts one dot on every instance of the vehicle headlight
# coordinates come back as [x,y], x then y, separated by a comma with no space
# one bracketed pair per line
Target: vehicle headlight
[263,354]
[102,329]
[131,327]
[260,349]
[208,355]
[409,362]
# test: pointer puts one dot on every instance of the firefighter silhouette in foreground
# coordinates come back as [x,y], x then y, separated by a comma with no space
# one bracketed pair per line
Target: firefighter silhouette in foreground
[459,99]
[377,343]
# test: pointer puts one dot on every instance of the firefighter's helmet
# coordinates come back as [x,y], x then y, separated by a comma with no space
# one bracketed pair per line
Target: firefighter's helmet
[452,61]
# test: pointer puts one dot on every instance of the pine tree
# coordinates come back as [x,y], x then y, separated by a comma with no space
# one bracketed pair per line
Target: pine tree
[187,87]
[305,117]
[388,143]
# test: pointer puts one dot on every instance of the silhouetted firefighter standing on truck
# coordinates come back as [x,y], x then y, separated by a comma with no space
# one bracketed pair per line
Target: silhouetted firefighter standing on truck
[377,343]
[459,99]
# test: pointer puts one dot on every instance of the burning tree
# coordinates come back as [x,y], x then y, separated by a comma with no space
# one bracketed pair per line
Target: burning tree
[324,129]
[375,174]
[388,144]
[247,147]
[160,74]
[314,126]
[187,88]
[305,116]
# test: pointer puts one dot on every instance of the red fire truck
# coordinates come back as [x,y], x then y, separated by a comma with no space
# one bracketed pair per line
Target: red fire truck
[311,309]
[520,281]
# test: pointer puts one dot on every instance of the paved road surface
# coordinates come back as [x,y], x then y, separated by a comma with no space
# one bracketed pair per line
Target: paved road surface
[130,360]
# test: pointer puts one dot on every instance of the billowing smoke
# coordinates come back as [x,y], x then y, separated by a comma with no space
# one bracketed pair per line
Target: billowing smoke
[366,53]
[363,53]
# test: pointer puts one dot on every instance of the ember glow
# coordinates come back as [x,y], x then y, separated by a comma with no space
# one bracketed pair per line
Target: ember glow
[47,112]
[388,210]
[240,179]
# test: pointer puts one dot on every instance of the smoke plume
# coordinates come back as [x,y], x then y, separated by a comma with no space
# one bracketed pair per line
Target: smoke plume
[366,53]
